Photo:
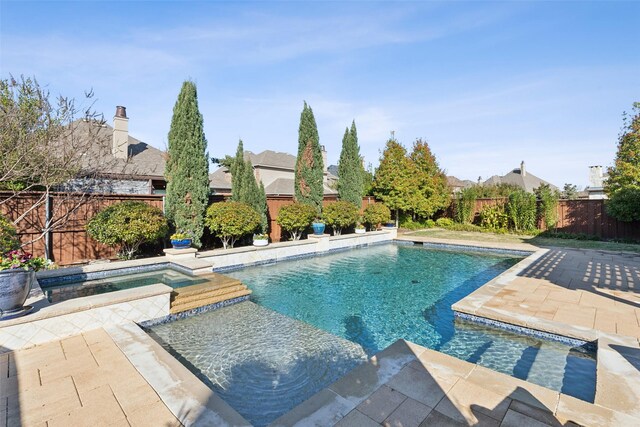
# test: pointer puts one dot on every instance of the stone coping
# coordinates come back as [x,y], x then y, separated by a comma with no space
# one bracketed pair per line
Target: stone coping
[101,266]
[445,386]
[472,243]
[46,310]
[190,400]
[243,249]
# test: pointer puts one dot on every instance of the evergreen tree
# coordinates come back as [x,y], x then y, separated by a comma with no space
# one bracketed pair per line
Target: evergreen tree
[623,184]
[254,194]
[394,182]
[309,170]
[350,171]
[187,169]
[237,169]
[432,192]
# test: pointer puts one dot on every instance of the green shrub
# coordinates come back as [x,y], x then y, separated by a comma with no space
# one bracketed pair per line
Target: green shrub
[547,210]
[340,215]
[128,225]
[521,210]
[444,222]
[624,204]
[430,223]
[8,238]
[231,220]
[494,218]
[464,205]
[376,214]
[295,218]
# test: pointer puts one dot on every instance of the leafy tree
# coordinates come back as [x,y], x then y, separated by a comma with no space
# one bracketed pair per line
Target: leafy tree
[623,184]
[367,180]
[395,182]
[547,208]
[187,169]
[44,145]
[570,192]
[521,209]
[432,192]
[339,215]
[309,169]
[128,225]
[376,214]
[231,220]
[295,218]
[350,171]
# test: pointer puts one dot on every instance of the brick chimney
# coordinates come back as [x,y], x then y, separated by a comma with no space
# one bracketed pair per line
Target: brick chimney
[120,147]
[523,171]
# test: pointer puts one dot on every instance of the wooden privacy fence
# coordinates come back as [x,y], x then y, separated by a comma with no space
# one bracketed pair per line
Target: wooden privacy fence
[583,217]
[71,244]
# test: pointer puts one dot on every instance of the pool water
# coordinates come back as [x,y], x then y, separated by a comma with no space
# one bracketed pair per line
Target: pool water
[371,297]
[67,290]
[260,362]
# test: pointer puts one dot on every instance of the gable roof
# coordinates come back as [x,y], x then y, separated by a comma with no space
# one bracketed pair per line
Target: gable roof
[528,181]
[143,159]
[273,159]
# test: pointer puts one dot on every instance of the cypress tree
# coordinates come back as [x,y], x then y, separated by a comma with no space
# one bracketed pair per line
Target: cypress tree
[309,170]
[187,168]
[350,170]
[237,169]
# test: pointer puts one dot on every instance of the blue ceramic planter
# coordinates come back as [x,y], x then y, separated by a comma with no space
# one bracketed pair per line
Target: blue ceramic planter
[181,244]
[318,228]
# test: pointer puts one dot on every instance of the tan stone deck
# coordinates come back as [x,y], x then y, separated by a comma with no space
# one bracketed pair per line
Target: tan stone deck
[406,385]
[82,380]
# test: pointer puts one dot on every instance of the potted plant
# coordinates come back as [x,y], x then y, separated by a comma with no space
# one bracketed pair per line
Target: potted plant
[318,226]
[261,239]
[360,229]
[181,240]
[17,272]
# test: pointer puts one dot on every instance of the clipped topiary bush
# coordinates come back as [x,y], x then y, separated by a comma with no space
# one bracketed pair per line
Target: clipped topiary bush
[128,225]
[231,220]
[295,218]
[376,214]
[340,215]
[8,239]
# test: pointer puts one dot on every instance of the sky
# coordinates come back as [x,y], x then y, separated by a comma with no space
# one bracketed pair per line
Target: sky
[487,84]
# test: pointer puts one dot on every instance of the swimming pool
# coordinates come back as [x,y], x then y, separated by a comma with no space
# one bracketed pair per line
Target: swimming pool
[372,297]
[56,291]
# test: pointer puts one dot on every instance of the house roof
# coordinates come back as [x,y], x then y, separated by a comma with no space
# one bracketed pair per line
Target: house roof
[272,159]
[220,180]
[143,159]
[456,182]
[528,181]
[286,187]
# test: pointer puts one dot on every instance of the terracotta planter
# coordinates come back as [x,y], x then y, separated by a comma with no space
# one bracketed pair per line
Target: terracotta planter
[15,285]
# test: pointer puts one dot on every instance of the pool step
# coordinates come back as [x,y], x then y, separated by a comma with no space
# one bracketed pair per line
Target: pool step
[219,288]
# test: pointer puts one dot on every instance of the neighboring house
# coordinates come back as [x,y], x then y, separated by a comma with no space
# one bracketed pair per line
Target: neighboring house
[520,177]
[457,185]
[597,179]
[118,162]
[275,170]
